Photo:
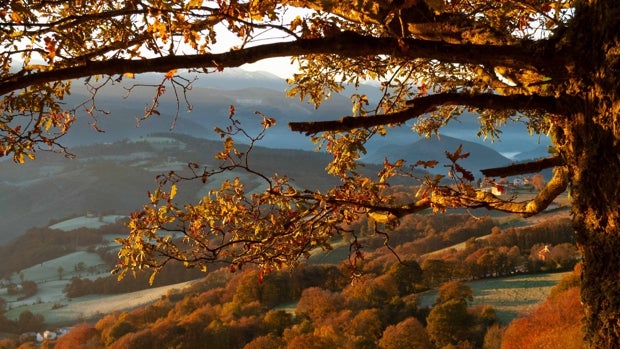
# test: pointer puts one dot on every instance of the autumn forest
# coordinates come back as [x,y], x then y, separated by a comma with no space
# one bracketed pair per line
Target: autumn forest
[320,304]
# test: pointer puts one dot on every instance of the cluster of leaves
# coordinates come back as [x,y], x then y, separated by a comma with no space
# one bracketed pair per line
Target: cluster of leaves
[276,224]
[46,37]
[273,226]
[67,38]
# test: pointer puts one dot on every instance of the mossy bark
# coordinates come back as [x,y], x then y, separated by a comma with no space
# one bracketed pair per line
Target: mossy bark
[590,142]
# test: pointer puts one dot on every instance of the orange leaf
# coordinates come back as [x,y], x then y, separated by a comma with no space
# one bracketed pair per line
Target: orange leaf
[170,74]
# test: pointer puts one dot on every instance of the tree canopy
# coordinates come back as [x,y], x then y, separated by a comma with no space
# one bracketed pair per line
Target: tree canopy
[551,64]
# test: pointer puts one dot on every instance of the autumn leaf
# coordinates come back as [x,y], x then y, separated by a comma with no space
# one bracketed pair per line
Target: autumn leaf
[170,74]
[465,174]
[173,191]
[268,122]
[426,164]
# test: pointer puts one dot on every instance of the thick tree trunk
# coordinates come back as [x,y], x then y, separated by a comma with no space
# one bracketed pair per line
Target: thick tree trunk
[595,173]
[590,143]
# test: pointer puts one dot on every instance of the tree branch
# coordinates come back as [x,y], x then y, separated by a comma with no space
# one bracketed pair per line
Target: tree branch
[528,167]
[345,44]
[556,186]
[446,197]
[430,103]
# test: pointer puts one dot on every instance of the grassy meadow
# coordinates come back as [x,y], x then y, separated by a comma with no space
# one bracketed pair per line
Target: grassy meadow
[509,296]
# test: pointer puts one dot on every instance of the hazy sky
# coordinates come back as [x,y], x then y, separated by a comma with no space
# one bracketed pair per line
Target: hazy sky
[281,67]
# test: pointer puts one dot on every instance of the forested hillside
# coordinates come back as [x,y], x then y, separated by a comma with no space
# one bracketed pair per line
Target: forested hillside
[365,301]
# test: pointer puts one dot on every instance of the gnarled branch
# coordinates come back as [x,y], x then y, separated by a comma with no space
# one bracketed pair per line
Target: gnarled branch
[344,44]
[430,103]
[556,186]
[527,167]
[446,197]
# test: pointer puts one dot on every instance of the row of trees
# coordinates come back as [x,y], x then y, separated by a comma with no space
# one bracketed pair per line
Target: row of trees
[426,233]
[488,251]
[365,314]
[369,313]
[26,322]
[475,262]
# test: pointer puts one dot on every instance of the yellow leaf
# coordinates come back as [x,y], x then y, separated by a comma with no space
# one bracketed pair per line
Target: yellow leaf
[194,3]
[129,75]
[399,163]
[228,143]
[173,191]
[152,278]
[382,217]
[48,124]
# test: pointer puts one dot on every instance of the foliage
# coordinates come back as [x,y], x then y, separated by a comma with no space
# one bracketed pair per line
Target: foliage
[80,336]
[454,290]
[556,323]
[28,322]
[408,333]
[449,322]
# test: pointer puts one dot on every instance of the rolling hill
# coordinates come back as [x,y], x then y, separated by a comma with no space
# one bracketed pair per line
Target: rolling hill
[212,94]
[115,177]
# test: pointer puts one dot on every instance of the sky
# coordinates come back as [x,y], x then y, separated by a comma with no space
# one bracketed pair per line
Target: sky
[281,67]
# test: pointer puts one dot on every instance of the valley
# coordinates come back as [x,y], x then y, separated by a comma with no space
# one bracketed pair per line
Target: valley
[510,296]
[72,209]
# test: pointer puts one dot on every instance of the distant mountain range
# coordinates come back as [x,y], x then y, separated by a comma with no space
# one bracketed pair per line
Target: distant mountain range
[251,92]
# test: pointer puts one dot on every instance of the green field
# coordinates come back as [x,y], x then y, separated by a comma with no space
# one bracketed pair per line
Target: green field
[509,296]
